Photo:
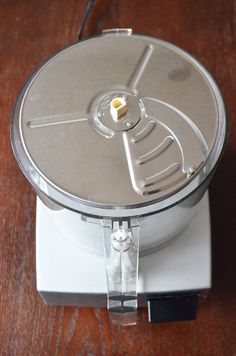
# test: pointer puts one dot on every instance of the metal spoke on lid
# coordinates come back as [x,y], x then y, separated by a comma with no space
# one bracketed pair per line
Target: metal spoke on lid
[51,120]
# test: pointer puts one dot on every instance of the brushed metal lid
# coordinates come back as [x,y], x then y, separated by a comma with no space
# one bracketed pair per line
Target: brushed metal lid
[158,146]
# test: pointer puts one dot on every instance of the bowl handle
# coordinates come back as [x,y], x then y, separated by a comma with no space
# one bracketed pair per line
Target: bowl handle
[121,248]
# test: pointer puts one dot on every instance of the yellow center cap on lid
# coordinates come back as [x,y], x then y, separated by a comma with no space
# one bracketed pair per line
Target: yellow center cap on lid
[118,107]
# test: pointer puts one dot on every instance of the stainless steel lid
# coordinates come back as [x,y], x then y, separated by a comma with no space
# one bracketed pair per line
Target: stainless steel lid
[161,140]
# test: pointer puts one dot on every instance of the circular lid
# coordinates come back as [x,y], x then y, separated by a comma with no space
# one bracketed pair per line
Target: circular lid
[120,122]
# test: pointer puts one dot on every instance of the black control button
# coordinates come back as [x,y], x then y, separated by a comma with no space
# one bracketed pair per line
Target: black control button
[176,307]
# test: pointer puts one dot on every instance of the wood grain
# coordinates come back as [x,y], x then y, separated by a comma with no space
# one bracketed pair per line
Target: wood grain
[30,31]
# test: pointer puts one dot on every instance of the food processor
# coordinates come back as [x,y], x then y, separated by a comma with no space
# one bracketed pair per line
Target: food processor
[120,135]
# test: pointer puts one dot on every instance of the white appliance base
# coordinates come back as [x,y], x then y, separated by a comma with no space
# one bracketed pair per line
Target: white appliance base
[67,275]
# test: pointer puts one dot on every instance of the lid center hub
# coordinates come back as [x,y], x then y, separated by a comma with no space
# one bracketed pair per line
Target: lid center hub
[115,111]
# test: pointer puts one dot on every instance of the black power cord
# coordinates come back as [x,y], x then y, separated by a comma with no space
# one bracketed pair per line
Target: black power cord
[87,10]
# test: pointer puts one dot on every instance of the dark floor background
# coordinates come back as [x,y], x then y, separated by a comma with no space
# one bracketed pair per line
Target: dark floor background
[30,31]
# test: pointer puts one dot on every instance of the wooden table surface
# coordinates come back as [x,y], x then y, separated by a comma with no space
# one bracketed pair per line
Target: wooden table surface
[31,31]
